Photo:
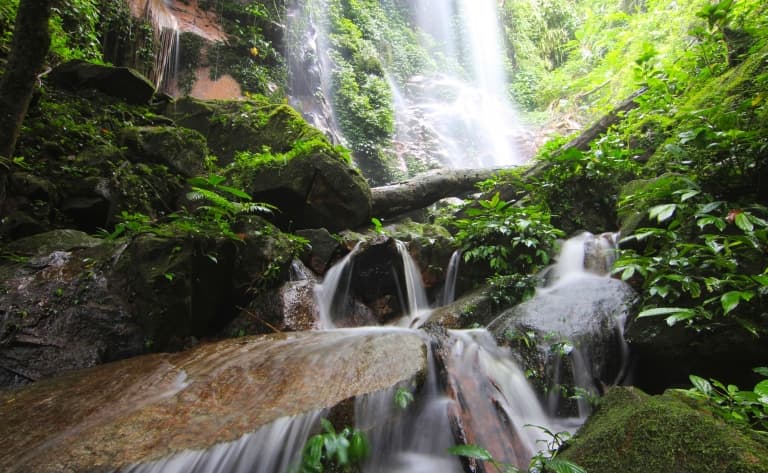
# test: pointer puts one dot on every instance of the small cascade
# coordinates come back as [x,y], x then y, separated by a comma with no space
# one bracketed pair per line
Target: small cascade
[418,305]
[165,28]
[274,448]
[584,255]
[449,290]
[577,322]
[333,292]
[411,439]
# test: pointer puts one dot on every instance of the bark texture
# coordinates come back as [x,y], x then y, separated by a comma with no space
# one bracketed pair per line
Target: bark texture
[31,40]
[425,189]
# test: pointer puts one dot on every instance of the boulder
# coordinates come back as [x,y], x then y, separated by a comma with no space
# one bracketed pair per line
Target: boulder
[571,335]
[632,432]
[69,301]
[150,408]
[477,307]
[664,356]
[180,149]
[243,125]
[120,82]
[313,189]
[323,247]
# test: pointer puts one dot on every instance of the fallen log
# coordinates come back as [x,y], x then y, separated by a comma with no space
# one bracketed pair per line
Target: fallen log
[425,189]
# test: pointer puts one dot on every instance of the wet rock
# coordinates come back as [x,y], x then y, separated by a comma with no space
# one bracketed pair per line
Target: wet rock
[474,308]
[148,408]
[571,334]
[121,82]
[324,246]
[290,308]
[68,301]
[632,432]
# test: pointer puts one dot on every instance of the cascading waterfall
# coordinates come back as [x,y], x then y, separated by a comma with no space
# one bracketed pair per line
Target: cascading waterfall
[165,29]
[273,448]
[333,292]
[458,115]
[449,290]
[418,305]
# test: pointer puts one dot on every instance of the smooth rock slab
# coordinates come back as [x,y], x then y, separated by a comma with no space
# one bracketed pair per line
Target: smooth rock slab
[147,408]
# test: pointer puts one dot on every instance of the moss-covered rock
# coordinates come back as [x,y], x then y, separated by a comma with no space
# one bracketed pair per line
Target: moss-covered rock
[311,186]
[632,432]
[180,149]
[249,125]
[69,301]
[120,82]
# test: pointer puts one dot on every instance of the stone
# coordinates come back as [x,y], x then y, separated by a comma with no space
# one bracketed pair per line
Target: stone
[120,82]
[632,432]
[181,149]
[148,408]
[323,247]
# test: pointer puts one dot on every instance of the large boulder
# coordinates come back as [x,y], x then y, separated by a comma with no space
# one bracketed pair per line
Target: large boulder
[293,166]
[312,189]
[70,301]
[632,432]
[571,335]
[243,125]
[180,149]
[664,356]
[120,82]
[212,397]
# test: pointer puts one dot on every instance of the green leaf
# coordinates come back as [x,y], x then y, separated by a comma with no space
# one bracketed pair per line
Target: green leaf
[761,370]
[761,389]
[701,384]
[358,446]
[743,222]
[471,451]
[730,300]
[663,311]
[563,466]
[662,212]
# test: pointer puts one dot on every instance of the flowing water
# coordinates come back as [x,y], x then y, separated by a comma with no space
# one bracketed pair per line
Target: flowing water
[456,115]
[166,31]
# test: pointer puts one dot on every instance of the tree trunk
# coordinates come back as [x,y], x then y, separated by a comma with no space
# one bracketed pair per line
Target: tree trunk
[31,40]
[426,189]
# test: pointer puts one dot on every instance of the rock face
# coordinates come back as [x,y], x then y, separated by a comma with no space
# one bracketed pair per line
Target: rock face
[73,301]
[147,408]
[632,432]
[308,180]
[665,356]
[119,82]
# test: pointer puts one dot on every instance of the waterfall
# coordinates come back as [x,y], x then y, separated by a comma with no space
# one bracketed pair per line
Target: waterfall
[274,448]
[418,306]
[165,28]
[455,113]
[449,290]
[333,292]
[584,255]
[463,114]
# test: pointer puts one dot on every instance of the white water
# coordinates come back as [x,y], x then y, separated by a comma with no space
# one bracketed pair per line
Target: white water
[165,28]
[418,306]
[334,288]
[273,448]
[449,290]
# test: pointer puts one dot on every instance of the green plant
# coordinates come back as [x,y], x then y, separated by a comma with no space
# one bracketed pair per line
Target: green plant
[344,450]
[225,203]
[507,238]
[544,461]
[745,408]
[703,260]
[403,398]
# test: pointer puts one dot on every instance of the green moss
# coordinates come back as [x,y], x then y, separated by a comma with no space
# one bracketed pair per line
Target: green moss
[632,432]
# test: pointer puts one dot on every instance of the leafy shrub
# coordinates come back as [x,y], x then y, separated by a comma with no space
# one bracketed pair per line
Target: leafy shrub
[745,408]
[703,260]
